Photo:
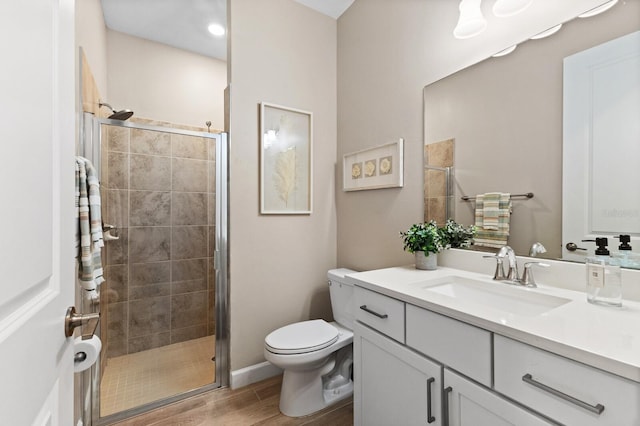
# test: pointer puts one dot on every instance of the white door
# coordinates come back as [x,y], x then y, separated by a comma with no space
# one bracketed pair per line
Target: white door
[601,145]
[37,120]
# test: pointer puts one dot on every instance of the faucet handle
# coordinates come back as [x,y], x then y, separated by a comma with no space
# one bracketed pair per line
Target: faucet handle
[499,273]
[527,276]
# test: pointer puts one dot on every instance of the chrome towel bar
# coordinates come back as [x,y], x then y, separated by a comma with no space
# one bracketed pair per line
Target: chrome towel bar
[527,195]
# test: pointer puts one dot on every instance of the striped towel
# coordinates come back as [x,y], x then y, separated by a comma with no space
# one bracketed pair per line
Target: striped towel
[89,229]
[492,214]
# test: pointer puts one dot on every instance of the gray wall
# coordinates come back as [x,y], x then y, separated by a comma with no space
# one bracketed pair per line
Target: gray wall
[387,52]
[283,53]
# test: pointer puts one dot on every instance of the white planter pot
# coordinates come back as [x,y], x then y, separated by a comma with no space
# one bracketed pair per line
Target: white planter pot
[428,263]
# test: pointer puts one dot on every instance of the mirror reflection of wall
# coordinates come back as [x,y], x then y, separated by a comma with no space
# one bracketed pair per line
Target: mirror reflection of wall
[505,115]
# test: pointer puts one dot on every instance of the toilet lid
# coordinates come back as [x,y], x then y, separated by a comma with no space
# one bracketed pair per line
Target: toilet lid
[302,337]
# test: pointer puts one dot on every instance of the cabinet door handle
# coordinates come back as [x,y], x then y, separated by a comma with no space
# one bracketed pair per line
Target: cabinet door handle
[430,418]
[598,408]
[445,406]
[364,308]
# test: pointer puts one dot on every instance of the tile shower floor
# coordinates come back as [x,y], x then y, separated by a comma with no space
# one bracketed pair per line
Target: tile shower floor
[139,378]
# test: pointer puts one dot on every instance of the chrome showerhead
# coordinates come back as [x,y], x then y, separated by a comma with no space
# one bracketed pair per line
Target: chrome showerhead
[121,115]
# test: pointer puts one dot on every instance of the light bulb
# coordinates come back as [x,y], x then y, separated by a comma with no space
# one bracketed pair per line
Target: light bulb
[505,51]
[504,8]
[599,9]
[471,22]
[547,33]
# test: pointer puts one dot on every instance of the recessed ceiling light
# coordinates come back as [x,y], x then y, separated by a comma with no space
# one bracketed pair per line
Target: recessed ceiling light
[597,10]
[216,29]
[547,33]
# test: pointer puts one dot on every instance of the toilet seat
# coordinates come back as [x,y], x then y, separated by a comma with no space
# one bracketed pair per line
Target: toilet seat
[302,337]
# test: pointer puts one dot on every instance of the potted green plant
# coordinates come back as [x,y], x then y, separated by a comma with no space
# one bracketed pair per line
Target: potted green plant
[458,236]
[425,240]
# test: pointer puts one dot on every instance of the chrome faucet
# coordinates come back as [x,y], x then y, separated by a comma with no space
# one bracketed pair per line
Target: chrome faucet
[527,279]
[512,275]
[536,248]
[507,251]
[498,275]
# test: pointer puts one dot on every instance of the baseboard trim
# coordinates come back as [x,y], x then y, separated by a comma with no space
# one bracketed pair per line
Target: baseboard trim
[252,374]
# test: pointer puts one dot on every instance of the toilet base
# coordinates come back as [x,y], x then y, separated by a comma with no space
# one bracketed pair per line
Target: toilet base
[306,392]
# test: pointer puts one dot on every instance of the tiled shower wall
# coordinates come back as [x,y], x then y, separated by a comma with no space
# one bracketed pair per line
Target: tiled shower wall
[436,197]
[158,189]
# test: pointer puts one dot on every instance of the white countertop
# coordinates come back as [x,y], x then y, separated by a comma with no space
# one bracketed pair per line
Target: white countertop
[603,337]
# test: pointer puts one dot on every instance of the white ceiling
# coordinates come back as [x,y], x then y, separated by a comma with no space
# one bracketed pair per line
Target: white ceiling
[178,23]
[333,8]
[183,23]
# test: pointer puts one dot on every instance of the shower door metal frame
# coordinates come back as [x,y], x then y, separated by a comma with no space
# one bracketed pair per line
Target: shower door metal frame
[448,176]
[91,148]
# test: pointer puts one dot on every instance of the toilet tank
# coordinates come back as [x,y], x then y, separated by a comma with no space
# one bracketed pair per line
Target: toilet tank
[341,297]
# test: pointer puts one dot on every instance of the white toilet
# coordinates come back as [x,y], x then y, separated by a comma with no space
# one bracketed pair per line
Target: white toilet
[316,356]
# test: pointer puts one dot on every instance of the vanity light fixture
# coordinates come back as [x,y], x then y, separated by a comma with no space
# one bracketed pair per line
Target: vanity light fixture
[471,22]
[598,9]
[216,29]
[547,33]
[505,8]
[505,51]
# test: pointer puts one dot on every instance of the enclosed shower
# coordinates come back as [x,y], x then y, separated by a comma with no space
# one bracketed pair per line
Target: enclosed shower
[164,203]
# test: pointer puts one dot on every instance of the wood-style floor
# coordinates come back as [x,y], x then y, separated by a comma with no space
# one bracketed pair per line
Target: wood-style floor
[256,404]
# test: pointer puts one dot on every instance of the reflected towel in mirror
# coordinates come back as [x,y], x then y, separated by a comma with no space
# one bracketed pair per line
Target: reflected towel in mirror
[492,216]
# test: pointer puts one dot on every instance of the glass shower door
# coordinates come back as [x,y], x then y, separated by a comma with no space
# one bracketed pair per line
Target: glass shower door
[164,194]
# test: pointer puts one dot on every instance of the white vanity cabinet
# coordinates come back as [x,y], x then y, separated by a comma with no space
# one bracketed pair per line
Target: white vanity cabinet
[469,404]
[394,385]
[416,366]
[397,385]
[564,390]
[467,350]
[380,312]
[459,346]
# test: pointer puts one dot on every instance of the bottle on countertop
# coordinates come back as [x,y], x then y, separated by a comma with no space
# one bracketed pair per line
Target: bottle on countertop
[604,279]
[625,257]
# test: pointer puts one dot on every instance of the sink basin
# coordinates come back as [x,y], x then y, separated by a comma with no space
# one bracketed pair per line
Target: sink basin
[497,296]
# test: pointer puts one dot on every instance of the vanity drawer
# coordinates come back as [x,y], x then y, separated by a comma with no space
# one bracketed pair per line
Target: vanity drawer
[382,313]
[460,346]
[564,390]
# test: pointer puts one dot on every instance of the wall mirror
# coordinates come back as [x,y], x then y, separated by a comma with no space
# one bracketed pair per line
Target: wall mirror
[497,126]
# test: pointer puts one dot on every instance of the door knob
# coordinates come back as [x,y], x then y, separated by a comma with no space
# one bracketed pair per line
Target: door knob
[573,247]
[73,320]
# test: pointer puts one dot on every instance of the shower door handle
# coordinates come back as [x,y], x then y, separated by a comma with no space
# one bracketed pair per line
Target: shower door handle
[73,320]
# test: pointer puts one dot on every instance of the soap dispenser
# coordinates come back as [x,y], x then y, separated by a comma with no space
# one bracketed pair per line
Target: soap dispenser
[625,257]
[604,279]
